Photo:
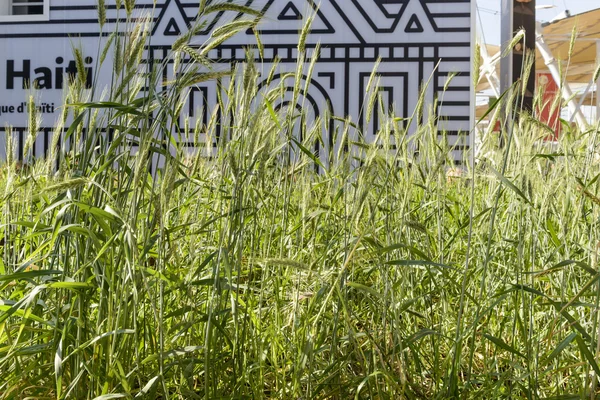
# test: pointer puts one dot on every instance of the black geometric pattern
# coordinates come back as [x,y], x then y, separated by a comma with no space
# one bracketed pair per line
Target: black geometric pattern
[172,28]
[414,25]
[410,37]
[289,12]
[392,9]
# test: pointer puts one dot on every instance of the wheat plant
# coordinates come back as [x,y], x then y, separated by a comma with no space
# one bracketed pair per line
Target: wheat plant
[255,267]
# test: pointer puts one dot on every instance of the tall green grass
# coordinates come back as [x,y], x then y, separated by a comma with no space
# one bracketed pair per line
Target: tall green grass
[253,268]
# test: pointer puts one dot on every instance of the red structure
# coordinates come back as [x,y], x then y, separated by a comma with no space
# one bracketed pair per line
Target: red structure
[549,109]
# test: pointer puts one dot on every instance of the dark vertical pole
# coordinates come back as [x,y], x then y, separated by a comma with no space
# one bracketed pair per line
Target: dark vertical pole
[516,15]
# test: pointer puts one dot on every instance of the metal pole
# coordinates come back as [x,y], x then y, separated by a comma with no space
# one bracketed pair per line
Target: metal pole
[489,70]
[517,15]
[597,82]
[582,99]
[552,65]
[506,35]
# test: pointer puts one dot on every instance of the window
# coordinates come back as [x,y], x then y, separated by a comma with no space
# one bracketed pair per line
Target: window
[24,10]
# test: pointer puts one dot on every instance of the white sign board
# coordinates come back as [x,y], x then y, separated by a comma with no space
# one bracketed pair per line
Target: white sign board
[415,39]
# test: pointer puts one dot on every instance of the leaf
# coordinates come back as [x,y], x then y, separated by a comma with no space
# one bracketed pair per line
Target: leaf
[149,389]
[421,334]
[528,289]
[73,126]
[422,263]
[272,113]
[82,230]
[71,285]
[111,396]
[594,179]
[494,104]
[233,27]
[28,275]
[107,214]
[173,353]
[587,354]
[511,185]
[281,262]
[565,263]
[208,282]
[596,74]
[561,346]
[585,287]
[551,226]
[308,153]
[97,338]
[123,108]
[364,288]
[551,156]
[373,242]
[68,184]
[366,379]
[413,250]
[222,6]
[572,321]
[503,345]
[13,310]
[566,125]
[58,367]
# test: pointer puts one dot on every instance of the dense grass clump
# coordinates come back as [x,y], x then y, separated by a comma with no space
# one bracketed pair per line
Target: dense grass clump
[254,268]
